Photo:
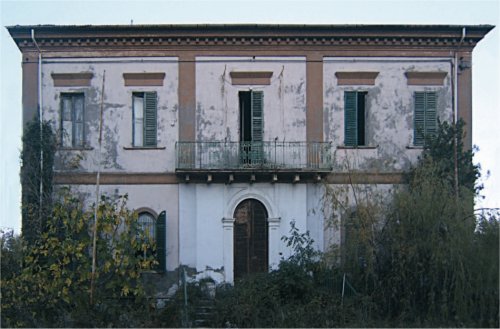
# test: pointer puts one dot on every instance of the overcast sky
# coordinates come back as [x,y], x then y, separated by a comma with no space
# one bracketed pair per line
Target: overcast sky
[486,72]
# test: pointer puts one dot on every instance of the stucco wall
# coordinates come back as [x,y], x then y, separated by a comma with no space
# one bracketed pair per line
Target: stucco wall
[217,103]
[202,208]
[389,110]
[117,114]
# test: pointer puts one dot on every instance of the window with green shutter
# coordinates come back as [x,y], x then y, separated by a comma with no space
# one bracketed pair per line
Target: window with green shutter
[257,116]
[154,231]
[251,127]
[425,116]
[161,241]
[72,120]
[144,112]
[354,118]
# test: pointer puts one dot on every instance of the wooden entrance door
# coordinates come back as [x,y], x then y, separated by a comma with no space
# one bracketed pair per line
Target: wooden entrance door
[250,238]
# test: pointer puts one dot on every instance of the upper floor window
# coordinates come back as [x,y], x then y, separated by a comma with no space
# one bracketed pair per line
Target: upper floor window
[425,116]
[354,118]
[72,120]
[144,114]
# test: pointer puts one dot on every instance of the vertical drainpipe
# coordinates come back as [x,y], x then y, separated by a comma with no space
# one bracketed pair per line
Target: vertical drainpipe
[40,116]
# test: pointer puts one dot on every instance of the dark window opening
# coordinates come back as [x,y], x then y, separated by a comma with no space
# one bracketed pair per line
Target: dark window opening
[245,116]
[355,118]
[361,118]
[251,127]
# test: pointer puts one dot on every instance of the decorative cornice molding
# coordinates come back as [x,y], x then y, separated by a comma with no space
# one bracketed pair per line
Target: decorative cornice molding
[250,78]
[72,79]
[425,78]
[143,79]
[59,38]
[356,78]
[64,44]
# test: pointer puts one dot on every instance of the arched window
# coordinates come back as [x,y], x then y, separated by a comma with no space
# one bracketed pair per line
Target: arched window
[147,225]
[155,232]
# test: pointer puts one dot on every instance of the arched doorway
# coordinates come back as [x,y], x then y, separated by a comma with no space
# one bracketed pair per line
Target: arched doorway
[250,238]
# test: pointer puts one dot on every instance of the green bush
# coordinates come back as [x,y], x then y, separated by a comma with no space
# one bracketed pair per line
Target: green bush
[52,287]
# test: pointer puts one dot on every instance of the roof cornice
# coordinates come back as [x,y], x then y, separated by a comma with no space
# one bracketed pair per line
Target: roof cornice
[64,38]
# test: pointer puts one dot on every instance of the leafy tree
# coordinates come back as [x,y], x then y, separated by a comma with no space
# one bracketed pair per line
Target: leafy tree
[440,149]
[11,254]
[34,217]
[52,288]
[430,261]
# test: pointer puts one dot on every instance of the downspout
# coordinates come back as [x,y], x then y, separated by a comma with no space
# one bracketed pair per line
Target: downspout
[40,116]
[455,111]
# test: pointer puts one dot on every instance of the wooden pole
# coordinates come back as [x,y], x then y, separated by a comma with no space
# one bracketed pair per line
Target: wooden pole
[94,233]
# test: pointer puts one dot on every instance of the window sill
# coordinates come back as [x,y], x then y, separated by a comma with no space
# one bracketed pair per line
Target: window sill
[414,147]
[83,148]
[144,148]
[367,147]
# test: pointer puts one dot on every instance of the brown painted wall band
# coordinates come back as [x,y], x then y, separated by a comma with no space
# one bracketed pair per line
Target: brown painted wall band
[30,86]
[465,96]
[172,178]
[187,97]
[314,98]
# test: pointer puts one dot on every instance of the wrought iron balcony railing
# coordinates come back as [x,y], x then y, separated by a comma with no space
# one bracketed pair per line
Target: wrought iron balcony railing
[304,156]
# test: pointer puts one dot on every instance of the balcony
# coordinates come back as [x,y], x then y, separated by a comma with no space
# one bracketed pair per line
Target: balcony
[257,157]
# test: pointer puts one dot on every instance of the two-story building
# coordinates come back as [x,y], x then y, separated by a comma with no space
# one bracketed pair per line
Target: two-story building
[234,131]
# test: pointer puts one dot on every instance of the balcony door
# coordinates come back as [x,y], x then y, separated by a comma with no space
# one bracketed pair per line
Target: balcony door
[250,238]
[251,127]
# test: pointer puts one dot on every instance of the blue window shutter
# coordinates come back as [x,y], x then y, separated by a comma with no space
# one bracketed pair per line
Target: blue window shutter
[150,114]
[419,119]
[350,118]
[161,241]
[257,116]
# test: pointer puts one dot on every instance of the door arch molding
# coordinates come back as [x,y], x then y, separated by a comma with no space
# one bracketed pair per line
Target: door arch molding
[246,194]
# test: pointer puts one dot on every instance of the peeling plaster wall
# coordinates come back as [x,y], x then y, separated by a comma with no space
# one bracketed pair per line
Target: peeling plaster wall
[217,109]
[152,197]
[202,208]
[379,196]
[389,110]
[117,117]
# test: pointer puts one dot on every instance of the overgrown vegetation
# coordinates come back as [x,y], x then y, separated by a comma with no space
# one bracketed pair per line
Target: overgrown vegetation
[35,168]
[424,259]
[50,287]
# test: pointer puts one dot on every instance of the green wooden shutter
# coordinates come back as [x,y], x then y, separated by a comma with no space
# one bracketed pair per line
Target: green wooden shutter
[150,119]
[257,112]
[430,114]
[257,99]
[161,241]
[78,126]
[351,118]
[419,119]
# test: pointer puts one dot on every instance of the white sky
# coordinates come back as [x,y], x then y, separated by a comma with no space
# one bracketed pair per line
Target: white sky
[486,55]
